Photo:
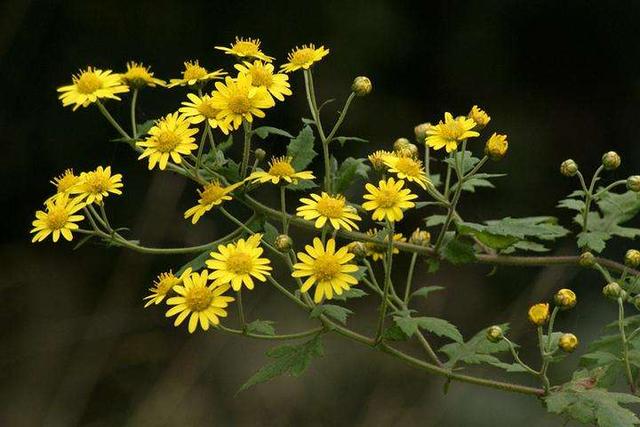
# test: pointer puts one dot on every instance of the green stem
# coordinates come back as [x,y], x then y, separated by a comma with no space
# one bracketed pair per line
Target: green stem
[134,123]
[426,159]
[387,281]
[341,117]
[552,321]
[201,148]
[241,317]
[609,188]
[589,196]
[113,122]
[283,206]
[447,181]
[211,140]
[545,362]
[625,346]
[246,149]
[293,336]
[516,357]
[452,207]
[407,290]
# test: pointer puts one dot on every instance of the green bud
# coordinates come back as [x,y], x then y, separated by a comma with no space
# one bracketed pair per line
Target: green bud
[421,131]
[611,160]
[495,334]
[420,237]
[400,144]
[260,154]
[283,243]
[636,302]
[587,259]
[613,291]
[633,183]
[632,258]
[569,168]
[361,86]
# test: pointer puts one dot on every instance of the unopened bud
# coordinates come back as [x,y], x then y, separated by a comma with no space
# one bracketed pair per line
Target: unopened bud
[283,243]
[358,249]
[361,86]
[409,150]
[539,314]
[421,132]
[632,258]
[569,168]
[568,342]
[612,290]
[636,302]
[420,237]
[496,147]
[400,144]
[587,259]
[260,154]
[565,299]
[633,183]
[611,160]
[495,334]
[479,116]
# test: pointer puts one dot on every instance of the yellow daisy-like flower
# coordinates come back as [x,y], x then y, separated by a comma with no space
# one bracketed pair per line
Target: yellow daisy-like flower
[163,285]
[263,75]
[200,301]
[194,73]
[303,57]
[449,133]
[239,100]
[94,186]
[90,85]
[172,137]
[57,219]
[479,116]
[334,209]
[280,168]
[212,194]
[327,268]
[377,251]
[377,159]
[138,76]
[245,48]
[388,200]
[239,263]
[408,168]
[64,183]
[200,108]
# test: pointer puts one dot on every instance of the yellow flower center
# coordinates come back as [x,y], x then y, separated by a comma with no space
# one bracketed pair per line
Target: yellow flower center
[326,267]
[137,73]
[239,103]
[281,168]
[198,298]
[260,76]
[88,82]
[212,193]
[97,182]
[167,141]
[245,47]
[387,198]
[240,263]
[193,72]
[206,109]
[66,181]
[408,166]
[452,130]
[57,218]
[331,207]
[166,283]
[302,56]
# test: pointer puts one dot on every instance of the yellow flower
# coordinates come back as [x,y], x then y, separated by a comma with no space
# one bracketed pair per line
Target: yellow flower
[280,168]
[327,268]
[565,299]
[304,57]
[238,263]
[479,116]
[245,48]
[90,85]
[172,137]
[262,75]
[496,147]
[408,168]
[94,186]
[388,200]
[138,76]
[539,314]
[449,133]
[377,159]
[194,73]
[64,183]
[239,100]
[334,209]
[57,219]
[377,251]
[205,303]
[163,285]
[200,109]
[212,194]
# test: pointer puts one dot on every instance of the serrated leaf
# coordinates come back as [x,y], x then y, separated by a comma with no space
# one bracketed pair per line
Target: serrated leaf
[434,220]
[426,290]
[458,252]
[494,241]
[343,139]
[264,131]
[466,158]
[440,327]
[349,170]
[541,227]
[477,350]
[573,204]
[394,333]
[231,171]
[301,149]
[350,294]
[509,367]
[336,312]
[263,327]
[593,240]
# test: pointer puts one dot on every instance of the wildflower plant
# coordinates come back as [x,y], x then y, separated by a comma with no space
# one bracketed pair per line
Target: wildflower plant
[341,262]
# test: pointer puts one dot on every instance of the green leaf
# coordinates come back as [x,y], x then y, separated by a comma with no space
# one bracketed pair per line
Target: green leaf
[477,350]
[426,290]
[440,327]
[351,293]
[394,333]
[263,327]
[302,185]
[287,360]
[143,128]
[509,367]
[270,233]
[467,159]
[528,246]
[593,240]
[301,149]
[573,204]
[336,312]
[458,252]
[224,146]
[263,131]
[479,180]
[541,227]
[196,263]
[231,171]
[434,220]
[495,241]
[349,170]
[343,139]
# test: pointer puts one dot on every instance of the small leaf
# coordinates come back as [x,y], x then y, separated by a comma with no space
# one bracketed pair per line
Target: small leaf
[458,252]
[440,327]
[434,220]
[349,170]
[509,367]
[351,293]
[270,233]
[573,204]
[594,240]
[143,128]
[336,312]
[394,333]
[426,290]
[224,146]
[343,139]
[262,327]
[301,149]
[264,131]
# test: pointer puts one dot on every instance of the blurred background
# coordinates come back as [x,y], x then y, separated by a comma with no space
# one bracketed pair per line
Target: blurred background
[561,79]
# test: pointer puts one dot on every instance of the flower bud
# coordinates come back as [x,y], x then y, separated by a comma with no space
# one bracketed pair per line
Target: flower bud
[611,160]
[632,258]
[421,131]
[612,290]
[260,154]
[565,299]
[539,314]
[568,342]
[420,237]
[409,150]
[479,116]
[358,249]
[283,243]
[400,144]
[636,302]
[633,183]
[496,147]
[495,334]
[361,86]
[587,259]
[569,168]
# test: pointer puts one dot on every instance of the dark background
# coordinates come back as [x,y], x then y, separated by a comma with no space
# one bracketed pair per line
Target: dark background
[560,78]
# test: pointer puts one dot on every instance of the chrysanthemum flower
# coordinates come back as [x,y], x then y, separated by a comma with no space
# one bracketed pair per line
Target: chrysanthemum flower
[479,116]
[94,186]
[449,133]
[212,194]
[280,168]
[200,108]
[304,57]
[90,85]
[172,137]
[57,219]
[239,100]
[201,302]
[378,251]
[239,263]
[408,168]
[377,159]
[64,183]
[497,146]
[194,73]
[163,285]
[245,48]
[334,209]
[138,76]
[327,268]
[388,200]
[263,75]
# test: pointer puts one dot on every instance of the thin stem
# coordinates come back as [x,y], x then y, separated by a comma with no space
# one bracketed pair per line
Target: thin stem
[201,148]
[246,151]
[426,159]
[407,289]
[241,317]
[447,181]
[609,188]
[134,124]
[104,216]
[454,202]
[545,362]
[519,361]
[274,337]
[283,206]
[605,273]
[343,114]
[625,346]
[387,280]
[211,140]
[113,122]
[552,321]
[245,228]
[588,196]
